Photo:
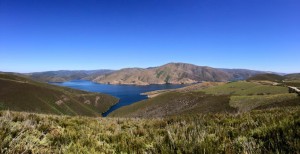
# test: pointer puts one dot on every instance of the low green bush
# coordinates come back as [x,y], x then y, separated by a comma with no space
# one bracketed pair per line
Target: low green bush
[259,131]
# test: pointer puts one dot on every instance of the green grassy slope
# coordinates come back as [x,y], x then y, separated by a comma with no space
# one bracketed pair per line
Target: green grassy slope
[231,97]
[174,103]
[245,88]
[267,131]
[246,103]
[22,94]
[246,96]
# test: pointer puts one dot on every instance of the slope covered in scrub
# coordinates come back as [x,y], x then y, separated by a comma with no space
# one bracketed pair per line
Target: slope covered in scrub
[260,131]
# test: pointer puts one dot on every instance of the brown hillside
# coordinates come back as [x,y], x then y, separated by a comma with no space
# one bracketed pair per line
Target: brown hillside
[173,73]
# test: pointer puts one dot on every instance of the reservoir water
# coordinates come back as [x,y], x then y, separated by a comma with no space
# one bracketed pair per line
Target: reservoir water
[127,94]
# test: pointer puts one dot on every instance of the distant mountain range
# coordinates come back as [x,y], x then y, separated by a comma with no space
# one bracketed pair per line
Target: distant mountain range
[171,73]
[174,73]
[67,75]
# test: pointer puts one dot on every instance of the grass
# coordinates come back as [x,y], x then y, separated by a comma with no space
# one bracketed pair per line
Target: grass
[22,94]
[231,97]
[246,96]
[245,88]
[260,131]
[176,103]
[247,103]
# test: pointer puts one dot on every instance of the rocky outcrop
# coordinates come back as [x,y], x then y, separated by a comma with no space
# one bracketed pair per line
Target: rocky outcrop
[294,90]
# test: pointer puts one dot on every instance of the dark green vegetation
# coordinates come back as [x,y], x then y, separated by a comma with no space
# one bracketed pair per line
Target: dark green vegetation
[261,131]
[22,94]
[231,97]
[63,76]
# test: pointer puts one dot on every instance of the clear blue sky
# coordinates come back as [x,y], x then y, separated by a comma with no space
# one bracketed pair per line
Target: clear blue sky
[41,35]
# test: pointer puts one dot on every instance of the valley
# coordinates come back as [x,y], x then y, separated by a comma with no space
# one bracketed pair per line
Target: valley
[127,94]
[256,115]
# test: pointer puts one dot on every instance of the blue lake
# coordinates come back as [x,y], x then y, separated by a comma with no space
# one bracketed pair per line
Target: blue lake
[127,94]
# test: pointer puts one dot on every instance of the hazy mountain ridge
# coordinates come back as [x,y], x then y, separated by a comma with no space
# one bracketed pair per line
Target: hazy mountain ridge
[67,75]
[294,76]
[174,73]
[288,79]
[268,77]
[242,74]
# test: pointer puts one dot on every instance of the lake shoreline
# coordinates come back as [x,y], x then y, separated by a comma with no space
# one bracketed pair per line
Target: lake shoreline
[127,94]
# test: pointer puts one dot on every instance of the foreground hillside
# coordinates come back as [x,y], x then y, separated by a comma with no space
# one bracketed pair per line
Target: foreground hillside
[260,131]
[174,73]
[22,94]
[207,97]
